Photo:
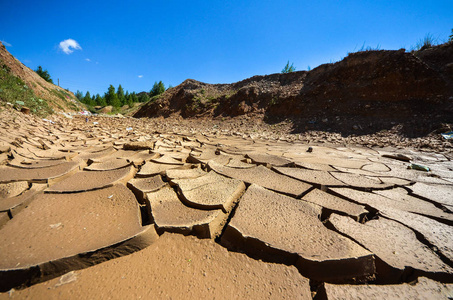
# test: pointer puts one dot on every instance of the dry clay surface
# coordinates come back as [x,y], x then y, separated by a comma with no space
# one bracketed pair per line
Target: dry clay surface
[115,208]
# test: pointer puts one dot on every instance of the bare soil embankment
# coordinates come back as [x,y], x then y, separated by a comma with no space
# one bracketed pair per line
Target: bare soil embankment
[364,93]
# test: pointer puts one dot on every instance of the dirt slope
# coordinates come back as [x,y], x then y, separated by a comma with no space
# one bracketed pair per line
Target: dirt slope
[56,97]
[365,92]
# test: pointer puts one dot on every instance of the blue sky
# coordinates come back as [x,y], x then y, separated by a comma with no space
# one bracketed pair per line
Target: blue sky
[210,41]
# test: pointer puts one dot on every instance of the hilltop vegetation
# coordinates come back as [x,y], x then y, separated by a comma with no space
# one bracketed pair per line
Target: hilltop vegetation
[118,98]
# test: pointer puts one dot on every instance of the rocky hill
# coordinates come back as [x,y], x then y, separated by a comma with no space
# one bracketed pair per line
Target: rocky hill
[365,92]
[21,86]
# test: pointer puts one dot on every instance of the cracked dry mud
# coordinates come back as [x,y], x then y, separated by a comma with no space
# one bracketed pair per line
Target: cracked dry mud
[100,211]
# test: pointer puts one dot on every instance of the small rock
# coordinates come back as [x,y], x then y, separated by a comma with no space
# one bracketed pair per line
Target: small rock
[67,278]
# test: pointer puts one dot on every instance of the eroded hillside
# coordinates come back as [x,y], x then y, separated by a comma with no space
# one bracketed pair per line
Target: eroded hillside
[21,86]
[365,92]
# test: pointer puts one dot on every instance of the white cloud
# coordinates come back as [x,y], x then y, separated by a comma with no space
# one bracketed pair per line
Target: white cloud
[66,46]
[140,76]
[6,44]
[87,59]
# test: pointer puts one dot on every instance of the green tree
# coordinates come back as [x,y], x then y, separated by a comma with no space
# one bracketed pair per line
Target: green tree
[44,74]
[289,68]
[450,39]
[143,98]
[87,98]
[158,88]
[129,101]
[111,97]
[100,100]
[120,94]
[127,98]
[79,95]
[134,97]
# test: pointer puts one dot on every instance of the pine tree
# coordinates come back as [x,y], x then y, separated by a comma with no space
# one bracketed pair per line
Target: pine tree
[120,94]
[127,98]
[44,74]
[79,95]
[111,97]
[134,97]
[87,98]
[158,88]
[129,101]
[100,100]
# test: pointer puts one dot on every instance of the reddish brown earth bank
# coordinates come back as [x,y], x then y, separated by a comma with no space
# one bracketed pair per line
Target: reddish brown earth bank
[366,92]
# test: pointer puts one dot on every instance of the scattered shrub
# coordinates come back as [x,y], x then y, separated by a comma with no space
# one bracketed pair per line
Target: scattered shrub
[289,68]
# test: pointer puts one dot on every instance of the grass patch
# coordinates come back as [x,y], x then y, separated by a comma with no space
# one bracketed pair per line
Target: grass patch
[72,105]
[365,48]
[428,41]
[60,94]
[16,92]
[154,98]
